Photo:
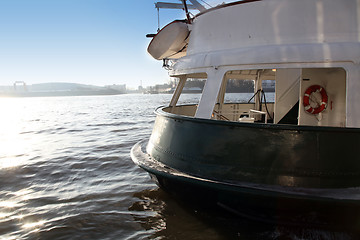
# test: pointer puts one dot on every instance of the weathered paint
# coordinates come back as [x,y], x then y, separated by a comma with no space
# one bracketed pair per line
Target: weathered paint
[283,155]
[284,205]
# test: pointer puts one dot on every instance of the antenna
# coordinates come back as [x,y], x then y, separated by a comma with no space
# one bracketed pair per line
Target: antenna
[187,11]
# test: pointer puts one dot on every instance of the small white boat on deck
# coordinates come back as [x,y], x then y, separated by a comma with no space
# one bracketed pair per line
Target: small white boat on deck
[294,159]
[170,42]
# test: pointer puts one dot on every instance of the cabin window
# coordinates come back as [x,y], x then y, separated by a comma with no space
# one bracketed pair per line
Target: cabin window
[192,90]
[268,86]
[239,91]
[249,96]
[187,90]
[242,96]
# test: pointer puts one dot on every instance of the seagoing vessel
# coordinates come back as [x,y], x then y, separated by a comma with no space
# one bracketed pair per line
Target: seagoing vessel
[293,159]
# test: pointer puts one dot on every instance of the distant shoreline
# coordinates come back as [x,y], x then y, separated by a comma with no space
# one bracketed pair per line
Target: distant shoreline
[60,93]
[56,89]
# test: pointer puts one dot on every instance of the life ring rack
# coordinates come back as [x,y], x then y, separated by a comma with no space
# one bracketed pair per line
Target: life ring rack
[306,99]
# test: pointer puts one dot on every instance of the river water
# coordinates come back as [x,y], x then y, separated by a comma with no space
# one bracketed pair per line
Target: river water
[66,173]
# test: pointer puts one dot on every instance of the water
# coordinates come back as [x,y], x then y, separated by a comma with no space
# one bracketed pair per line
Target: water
[66,173]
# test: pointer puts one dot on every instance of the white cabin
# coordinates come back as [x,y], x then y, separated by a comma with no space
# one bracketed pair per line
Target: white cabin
[299,44]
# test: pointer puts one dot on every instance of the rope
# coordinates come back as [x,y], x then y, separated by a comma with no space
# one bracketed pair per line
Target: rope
[254,95]
[263,95]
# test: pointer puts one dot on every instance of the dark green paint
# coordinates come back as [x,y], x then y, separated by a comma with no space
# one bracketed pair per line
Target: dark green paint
[282,155]
[276,204]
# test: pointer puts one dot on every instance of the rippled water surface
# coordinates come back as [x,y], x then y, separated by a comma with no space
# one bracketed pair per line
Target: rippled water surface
[66,173]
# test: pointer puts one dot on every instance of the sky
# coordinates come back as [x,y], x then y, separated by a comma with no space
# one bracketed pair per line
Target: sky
[98,42]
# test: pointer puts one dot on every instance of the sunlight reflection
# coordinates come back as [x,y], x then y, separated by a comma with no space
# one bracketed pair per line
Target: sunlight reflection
[23,193]
[4,215]
[19,217]
[8,237]
[10,162]
[11,115]
[34,226]
[15,145]
[7,204]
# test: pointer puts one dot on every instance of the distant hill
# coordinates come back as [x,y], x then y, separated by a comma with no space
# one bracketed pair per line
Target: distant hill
[59,89]
[61,86]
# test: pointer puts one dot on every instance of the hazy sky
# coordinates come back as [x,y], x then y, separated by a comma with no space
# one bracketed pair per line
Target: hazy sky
[98,42]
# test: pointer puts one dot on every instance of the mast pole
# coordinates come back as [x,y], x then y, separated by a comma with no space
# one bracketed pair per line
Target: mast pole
[186,11]
[158,12]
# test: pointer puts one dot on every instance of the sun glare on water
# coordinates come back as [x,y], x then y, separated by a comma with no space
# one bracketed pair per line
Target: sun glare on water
[13,149]
[7,204]
[34,225]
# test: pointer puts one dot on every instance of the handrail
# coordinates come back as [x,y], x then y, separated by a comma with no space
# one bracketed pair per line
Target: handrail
[221,116]
[259,112]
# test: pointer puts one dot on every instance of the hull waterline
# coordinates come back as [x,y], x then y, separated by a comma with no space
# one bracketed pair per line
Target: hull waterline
[266,203]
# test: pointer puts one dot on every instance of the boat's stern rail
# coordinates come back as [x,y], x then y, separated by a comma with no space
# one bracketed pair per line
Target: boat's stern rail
[241,112]
[236,112]
[184,110]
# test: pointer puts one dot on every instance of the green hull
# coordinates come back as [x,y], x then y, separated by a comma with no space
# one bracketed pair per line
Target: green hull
[281,155]
[266,203]
[277,172]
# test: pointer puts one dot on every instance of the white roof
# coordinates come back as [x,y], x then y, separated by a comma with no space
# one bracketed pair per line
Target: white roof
[275,31]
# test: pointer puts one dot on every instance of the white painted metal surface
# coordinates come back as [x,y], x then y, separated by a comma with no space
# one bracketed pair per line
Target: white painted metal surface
[353,96]
[276,22]
[274,31]
[284,35]
[210,93]
[287,91]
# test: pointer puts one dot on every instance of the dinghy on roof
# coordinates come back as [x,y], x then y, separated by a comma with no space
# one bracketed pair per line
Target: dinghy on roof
[171,41]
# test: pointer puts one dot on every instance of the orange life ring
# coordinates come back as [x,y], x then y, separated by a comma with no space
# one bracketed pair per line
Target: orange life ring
[306,100]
